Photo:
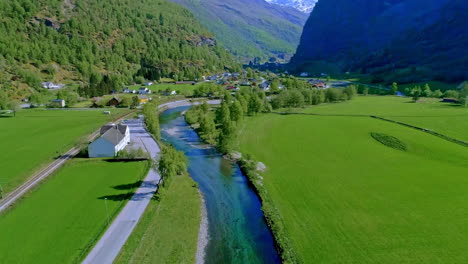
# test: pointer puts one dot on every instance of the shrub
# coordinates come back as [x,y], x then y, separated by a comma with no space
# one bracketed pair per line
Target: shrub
[389,141]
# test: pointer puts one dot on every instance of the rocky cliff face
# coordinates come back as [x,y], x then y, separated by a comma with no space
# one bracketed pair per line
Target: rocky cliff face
[381,36]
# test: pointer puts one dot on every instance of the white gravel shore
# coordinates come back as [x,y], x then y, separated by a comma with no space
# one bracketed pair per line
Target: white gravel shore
[202,235]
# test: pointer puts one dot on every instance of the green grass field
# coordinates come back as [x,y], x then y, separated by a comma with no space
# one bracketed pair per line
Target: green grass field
[347,198]
[445,118]
[168,231]
[35,137]
[61,220]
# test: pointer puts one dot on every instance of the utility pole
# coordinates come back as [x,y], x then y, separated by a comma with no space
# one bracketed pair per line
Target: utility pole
[107,210]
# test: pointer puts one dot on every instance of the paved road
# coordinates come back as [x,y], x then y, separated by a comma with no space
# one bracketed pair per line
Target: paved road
[108,247]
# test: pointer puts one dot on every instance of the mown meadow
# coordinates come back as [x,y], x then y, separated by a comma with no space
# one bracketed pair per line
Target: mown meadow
[35,137]
[60,221]
[354,189]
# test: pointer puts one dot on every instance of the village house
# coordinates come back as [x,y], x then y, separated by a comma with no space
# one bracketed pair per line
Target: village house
[142,99]
[113,138]
[58,103]
[129,91]
[114,101]
[304,74]
[149,83]
[264,86]
[51,85]
[144,90]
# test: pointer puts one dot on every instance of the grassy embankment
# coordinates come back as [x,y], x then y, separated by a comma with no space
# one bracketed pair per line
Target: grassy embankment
[168,231]
[344,196]
[35,137]
[60,221]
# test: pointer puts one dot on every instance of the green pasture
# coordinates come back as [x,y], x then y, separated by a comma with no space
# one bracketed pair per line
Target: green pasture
[346,197]
[35,137]
[60,221]
[168,231]
[446,118]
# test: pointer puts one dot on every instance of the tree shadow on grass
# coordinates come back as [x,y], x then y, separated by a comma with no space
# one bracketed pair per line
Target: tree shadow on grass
[129,196]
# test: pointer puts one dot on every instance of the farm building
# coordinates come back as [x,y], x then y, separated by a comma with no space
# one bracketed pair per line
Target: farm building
[113,139]
[142,99]
[58,103]
[114,101]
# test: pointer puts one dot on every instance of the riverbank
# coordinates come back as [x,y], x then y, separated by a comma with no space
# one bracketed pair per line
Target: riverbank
[203,236]
[283,244]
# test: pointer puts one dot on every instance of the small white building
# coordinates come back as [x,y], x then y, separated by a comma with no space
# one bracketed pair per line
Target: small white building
[58,103]
[149,83]
[51,85]
[304,74]
[113,139]
[144,90]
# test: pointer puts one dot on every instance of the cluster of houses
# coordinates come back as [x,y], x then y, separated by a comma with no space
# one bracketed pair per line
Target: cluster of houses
[142,90]
[113,138]
[319,84]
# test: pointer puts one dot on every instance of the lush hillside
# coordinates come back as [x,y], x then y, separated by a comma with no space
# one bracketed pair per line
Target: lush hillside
[75,39]
[251,28]
[412,39]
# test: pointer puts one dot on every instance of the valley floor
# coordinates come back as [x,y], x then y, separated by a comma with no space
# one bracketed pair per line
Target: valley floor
[345,197]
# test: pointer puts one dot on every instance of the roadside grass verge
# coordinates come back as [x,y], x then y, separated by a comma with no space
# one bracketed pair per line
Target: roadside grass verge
[35,137]
[345,197]
[168,230]
[60,221]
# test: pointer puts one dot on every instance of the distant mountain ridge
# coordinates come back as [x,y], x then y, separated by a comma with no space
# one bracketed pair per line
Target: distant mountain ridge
[305,6]
[411,39]
[251,28]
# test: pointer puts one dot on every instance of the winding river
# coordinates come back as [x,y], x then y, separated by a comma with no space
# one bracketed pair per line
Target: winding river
[237,230]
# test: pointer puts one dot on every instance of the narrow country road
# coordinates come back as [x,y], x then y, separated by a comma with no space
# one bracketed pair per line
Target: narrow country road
[108,247]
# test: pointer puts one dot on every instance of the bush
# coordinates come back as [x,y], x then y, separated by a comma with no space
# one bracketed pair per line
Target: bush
[389,141]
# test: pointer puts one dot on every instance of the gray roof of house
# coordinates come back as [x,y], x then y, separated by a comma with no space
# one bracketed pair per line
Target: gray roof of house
[121,128]
[115,134]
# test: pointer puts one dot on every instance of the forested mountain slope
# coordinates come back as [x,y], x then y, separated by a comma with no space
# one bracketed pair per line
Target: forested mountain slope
[57,40]
[412,39]
[251,28]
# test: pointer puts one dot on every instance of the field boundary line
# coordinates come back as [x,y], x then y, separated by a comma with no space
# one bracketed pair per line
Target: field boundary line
[11,197]
[453,140]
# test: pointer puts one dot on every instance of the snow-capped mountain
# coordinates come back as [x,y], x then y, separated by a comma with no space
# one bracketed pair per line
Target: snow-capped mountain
[305,6]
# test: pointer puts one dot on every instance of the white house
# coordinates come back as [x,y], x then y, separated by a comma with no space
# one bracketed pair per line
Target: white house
[149,83]
[51,85]
[58,103]
[304,74]
[113,139]
[144,90]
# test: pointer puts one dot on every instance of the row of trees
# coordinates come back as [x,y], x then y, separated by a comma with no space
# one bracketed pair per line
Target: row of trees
[151,114]
[219,127]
